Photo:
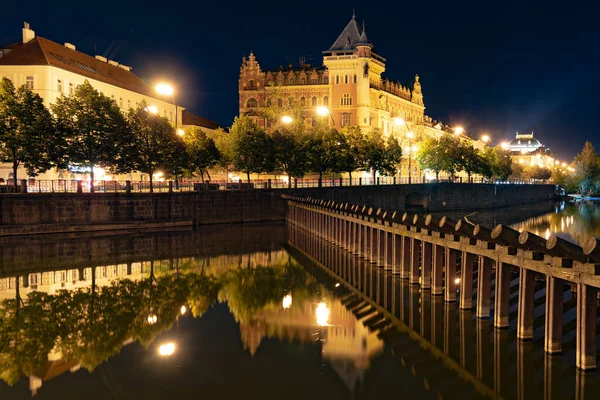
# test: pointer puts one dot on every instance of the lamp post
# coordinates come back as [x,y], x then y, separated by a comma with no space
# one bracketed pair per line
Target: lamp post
[410,135]
[167,90]
[323,111]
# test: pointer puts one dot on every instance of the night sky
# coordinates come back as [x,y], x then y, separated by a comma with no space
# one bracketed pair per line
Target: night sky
[494,67]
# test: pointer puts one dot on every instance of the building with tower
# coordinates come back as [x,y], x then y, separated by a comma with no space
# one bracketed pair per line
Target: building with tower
[527,150]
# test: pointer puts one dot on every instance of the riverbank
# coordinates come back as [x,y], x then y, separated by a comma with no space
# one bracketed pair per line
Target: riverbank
[44,213]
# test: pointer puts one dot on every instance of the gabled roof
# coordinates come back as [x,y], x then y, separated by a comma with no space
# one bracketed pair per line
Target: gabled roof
[40,51]
[190,119]
[352,35]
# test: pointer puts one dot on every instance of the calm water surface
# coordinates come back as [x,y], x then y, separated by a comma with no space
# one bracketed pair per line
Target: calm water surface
[260,312]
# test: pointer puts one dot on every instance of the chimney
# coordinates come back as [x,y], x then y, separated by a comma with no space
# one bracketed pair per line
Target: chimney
[111,62]
[103,59]
[70,46]
[28,34]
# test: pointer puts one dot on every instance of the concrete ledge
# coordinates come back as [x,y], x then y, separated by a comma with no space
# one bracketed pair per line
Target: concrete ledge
[44,229]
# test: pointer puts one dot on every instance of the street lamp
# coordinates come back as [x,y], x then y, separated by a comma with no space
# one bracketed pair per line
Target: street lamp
[323,111]
[458,130]
[152,109]
[410,135]
[485,139]
[167,90]
[286,119]
[180,132]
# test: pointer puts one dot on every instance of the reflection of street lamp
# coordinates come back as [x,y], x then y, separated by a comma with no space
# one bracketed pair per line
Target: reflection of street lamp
[322,313]
[323,111]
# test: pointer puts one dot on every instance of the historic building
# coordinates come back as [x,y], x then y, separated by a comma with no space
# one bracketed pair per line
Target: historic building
[53,70]
[349,86]
[527,150]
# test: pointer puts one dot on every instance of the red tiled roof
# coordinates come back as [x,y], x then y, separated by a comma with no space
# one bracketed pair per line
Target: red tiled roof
[190,119]
[40,51]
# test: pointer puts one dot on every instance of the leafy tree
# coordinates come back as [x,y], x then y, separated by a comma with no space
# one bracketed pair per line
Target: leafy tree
[250,150]
[96,132]
[381,155]
[564,179]
[290,157]
[471,160]
[154,141]
[201,150]
[323,150]
[499,161]
[539,173]
[451,149]
[27,133]
[179,162]
[431,156]
[587,169]
[352,155]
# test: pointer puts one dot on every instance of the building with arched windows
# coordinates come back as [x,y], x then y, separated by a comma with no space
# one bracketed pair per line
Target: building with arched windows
[349,83]
[528,151]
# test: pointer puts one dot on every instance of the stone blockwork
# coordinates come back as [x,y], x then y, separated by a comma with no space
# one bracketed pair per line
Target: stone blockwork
[52,213]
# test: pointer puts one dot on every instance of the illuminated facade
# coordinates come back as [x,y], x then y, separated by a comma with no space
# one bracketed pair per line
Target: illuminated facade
[528,151]
[53,70]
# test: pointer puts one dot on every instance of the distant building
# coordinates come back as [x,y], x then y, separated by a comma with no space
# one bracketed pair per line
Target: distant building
[53,70]
[527,150]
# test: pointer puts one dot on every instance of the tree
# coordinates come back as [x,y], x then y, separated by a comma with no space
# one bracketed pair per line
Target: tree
[430,155]
[154,141]
[201,150]
[382,155]
[587,169]
[450,147]
[27,134]
[470,160]
[352,155]
[95,131]
[323,150]
[290,156]
[250,150]
[499,162]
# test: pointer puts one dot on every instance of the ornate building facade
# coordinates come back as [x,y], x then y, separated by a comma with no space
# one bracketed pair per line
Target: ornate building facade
[527,150]
[350,84]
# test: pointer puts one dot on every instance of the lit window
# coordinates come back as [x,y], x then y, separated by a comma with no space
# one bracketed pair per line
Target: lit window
[71,89]
[326,80]
[251,84]
[128,104]
[346,100]
[313,81]
[291,101]
[302,101]
[325,101]
[268,102]
[354,78]
[59,85]
[29,82]
[345,119]
[314,101]
[346,79]
[291,82]
[251,103]
[302,81]
[279,103]
[337,79]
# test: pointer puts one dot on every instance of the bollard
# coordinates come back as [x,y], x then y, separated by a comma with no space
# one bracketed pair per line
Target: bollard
[360,181]
[295,183]
[170,186]
[269,183]
[79,187]
[378,180]
[128,187]
[23,186]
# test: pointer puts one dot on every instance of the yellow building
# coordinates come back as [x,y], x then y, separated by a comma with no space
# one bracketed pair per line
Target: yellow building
[349,85]
[53,70]
[528,151]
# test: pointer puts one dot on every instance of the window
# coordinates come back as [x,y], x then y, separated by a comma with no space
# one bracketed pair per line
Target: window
[345,119]
[313,101]
[346,100]
[313,81]
[354,78]
[337,79]
[251,84]
[268,102]
[302,101]
[59,85]
[171,115]
[291,82]
[128,104]
[29,82]
[71,89]
[302,81]
[121,102]
[346,79]
[252,103]
[325,101]
[326,80]
[291,101]
[279,103]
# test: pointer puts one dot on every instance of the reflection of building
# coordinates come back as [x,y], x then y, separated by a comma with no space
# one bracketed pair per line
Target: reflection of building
[527,150]
[347,344]
[53,70]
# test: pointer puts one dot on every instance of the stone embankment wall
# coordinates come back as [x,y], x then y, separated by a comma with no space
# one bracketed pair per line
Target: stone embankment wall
[54,213]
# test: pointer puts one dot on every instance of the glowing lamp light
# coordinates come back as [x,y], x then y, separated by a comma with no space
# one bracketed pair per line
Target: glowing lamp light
[556,162]
[398,121]
[564,164]
[504,145]
[322,111]
[410,134]
[166,349]
[457,281]
[152,319]
[337,284]
[458,130]
[322,312]
[180,132]
[183,310]
[414,148]
[485,138]
[164,89]
[152,109]
[287,301]
[286,119]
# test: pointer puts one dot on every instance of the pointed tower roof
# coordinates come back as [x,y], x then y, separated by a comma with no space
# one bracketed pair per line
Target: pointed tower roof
[352,35]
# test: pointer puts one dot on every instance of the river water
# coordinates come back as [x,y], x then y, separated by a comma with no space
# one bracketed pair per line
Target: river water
[262,312]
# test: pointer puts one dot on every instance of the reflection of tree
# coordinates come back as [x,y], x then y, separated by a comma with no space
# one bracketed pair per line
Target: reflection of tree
[92,324]
[249,290]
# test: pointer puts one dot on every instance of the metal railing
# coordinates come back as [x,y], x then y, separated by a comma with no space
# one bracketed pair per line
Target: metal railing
[102,186]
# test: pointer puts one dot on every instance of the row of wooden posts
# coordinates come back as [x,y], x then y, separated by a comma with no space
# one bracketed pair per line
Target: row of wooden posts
[428,251]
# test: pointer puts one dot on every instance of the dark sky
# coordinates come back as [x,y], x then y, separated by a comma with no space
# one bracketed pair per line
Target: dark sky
[496,67]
